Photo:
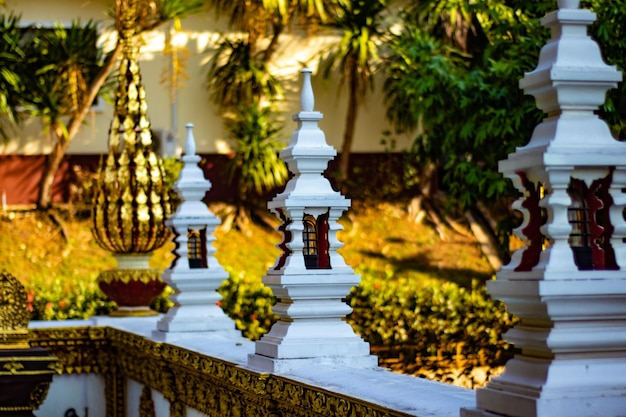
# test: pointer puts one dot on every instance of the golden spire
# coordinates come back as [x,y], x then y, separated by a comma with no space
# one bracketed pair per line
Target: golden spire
[131,202]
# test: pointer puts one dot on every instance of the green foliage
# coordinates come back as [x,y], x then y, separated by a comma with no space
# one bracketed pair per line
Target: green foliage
[12,57]
[454,71]
[249,303]
[361,26]
[236,77]
[441,318]
[46,71]
[171,169]
[176,9]
[255,163]
[610,31]
[471,112]
[62,62]
[55,301]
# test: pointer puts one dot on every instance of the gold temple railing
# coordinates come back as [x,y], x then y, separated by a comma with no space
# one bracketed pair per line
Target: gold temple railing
[186,378]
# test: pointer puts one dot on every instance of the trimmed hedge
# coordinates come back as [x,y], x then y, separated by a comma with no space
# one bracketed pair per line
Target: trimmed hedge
[429,319]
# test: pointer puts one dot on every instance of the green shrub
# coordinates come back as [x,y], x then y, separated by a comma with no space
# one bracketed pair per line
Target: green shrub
[249,303]
[56,301]
[440,318]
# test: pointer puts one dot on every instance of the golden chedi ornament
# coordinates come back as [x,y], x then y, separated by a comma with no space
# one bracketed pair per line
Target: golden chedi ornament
[25,372]
[13,313]
[131,201]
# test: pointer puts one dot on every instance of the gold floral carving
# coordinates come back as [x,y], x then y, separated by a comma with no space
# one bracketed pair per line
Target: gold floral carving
[146,405]
[114,389]
[38,395]
[189,379]
[127,275]
[14,315]
[79,349]
[177,409]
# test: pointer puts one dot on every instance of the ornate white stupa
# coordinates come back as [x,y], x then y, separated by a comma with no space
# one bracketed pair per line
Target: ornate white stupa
[568,283]
[195,274]
[310,279]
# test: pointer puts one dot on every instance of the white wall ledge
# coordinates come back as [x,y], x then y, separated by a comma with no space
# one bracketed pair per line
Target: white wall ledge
[383,388]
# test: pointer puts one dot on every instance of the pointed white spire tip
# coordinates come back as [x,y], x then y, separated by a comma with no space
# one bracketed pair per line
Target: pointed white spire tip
[307,100]
[190,142]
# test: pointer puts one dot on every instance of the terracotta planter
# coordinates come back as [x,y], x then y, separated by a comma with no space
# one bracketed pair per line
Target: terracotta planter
[133,285]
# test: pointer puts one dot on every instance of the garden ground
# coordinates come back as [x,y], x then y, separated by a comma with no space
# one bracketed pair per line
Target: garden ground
[405,267]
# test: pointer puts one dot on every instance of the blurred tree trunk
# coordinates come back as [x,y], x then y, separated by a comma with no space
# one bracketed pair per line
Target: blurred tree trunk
[65,136]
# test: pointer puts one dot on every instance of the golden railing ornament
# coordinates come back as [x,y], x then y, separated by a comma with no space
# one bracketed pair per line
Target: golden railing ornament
[131,201]
[25,372]
[13,313]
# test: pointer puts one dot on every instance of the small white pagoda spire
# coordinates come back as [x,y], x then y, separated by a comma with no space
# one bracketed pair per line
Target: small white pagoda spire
[567,284]
[310,278]
[195,273]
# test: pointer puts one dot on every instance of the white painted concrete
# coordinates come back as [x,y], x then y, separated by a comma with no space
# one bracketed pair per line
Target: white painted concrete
[80,392]
[133,397]
[414,396]
[310,330]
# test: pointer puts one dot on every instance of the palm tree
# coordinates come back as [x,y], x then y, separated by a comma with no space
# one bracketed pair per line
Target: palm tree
[241,85]
[255,166]
[355,57]
[237,77]
[268,19]
[455,22]
[65,74]
[12,57]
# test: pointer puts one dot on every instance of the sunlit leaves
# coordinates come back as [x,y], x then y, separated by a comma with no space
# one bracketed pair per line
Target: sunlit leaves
[255,163]
[152,13]
[11,59]
[355,56]
[465,97]
[236,77]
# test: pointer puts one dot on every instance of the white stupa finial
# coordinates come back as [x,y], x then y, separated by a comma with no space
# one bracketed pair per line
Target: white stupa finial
[307,100]
[190,142]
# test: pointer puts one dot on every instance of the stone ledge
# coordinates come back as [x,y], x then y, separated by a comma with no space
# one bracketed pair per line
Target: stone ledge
[216,365]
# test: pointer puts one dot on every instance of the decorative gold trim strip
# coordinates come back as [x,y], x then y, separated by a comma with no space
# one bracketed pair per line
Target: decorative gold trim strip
[79,349]
[26,359]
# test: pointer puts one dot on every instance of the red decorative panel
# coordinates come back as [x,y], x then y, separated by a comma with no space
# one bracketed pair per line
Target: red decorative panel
[532,232]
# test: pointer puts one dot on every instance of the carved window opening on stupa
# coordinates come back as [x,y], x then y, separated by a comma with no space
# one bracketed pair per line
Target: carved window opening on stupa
[579,238]
[196,246]
[537,216]
[283,246]
[588,214]
[315,239]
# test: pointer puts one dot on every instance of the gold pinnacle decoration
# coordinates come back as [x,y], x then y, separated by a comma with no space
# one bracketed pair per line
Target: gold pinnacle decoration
[14,315]
[131,202]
